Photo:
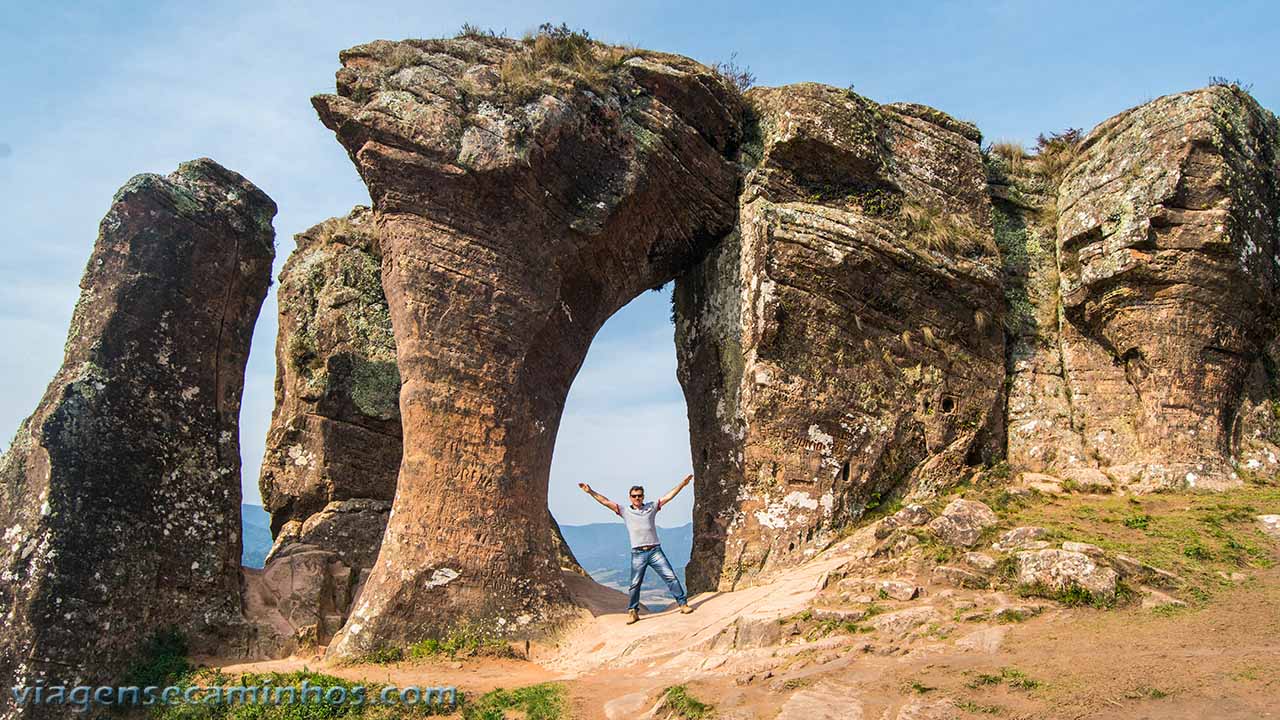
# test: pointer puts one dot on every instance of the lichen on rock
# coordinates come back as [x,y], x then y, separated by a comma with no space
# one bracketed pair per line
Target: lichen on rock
[844,345]
[120,496]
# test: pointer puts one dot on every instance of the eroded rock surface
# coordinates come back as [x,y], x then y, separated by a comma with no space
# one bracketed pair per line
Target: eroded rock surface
[120,496]
[1165,244]
[335,431]
[333,449]
[845,344]
[513,222]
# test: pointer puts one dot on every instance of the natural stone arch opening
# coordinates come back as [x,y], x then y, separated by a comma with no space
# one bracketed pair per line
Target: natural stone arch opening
[510,233]
[625,423]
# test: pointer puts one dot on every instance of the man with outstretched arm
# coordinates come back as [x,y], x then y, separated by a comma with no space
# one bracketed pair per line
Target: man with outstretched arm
[641,520]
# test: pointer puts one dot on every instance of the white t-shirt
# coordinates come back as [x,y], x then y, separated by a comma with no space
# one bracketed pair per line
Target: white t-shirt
[641,523]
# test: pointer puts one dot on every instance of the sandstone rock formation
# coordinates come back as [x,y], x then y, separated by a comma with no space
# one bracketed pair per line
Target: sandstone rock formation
[1165,241]
[120,495]
[845,344]
[335,431]
[333,449]
[524,192]
[848,274]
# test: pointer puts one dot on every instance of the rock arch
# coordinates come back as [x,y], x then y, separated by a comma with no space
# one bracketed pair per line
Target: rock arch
[510,232]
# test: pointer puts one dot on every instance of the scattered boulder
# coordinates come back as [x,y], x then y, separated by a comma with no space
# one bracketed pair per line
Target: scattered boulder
[898,590]
[1270,525]
[1087,480]
[900,621]
[1131,568]
[962,522]
[1047,484]
[120,495]
[1152,598]
[960,577]
[1015,613]
[1022,538]
[979,561]
[913,515]
[1062,571]
[1092,551]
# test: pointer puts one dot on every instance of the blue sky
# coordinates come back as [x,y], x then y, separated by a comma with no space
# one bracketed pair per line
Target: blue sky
[96,92]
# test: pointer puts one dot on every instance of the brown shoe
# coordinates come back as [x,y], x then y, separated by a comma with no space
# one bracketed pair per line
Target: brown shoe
[632,616]
[685,609]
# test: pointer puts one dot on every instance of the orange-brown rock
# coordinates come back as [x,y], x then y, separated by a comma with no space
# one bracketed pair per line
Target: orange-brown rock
[1165,253]
[845,345]
[522,195]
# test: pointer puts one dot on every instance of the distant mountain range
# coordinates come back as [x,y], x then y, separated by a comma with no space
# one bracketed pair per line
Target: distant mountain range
[601,548]
[255,526]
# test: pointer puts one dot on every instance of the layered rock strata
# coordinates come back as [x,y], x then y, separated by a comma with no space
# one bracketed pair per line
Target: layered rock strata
[1164,240]
[523,195]
[845,344]
[333,449]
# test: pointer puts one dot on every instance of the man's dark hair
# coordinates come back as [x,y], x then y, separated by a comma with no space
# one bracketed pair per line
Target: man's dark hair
[635,488]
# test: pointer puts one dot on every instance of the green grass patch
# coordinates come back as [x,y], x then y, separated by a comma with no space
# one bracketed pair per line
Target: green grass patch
[288,698]
[545,701]
[1195,535]
[677,699]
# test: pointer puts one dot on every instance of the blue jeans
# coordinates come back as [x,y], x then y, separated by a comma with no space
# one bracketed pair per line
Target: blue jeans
[641,559]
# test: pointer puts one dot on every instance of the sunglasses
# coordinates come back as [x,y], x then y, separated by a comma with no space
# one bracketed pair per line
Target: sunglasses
[640,495]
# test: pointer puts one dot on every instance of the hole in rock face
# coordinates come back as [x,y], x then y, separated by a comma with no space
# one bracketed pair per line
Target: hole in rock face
[844,472]
[948,405]
[625,423]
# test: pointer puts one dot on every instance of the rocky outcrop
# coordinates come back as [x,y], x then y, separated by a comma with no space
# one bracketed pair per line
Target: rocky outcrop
[335,431]
[524,191]
[333,449]
[845,344]
[120,495]
[1165,248]
[1058,572]
[843,300]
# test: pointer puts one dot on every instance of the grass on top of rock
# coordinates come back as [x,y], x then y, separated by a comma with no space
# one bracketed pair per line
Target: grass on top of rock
[1013,154]
[1055,152]
[739,77]
[676,699]
[559,55]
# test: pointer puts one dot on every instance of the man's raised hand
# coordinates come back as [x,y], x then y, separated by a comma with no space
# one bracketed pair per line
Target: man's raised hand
[585,487]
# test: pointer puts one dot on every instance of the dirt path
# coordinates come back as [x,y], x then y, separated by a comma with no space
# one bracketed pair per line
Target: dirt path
[1221,660]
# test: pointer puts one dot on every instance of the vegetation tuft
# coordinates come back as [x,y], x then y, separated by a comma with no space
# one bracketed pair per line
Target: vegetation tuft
[162,661]
[676,699]
[1055,152]
[940,231]
[1236,84]
[545,701]
[739,77]
[557,53]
